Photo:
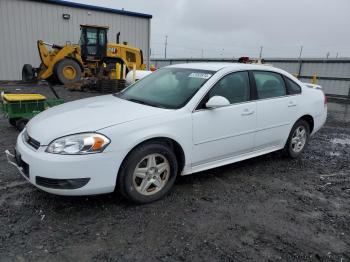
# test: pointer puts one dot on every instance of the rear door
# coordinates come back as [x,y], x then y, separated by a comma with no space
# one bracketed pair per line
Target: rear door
[276,109]
[227,131]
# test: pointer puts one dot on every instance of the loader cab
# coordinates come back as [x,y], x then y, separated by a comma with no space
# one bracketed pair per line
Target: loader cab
[93,42]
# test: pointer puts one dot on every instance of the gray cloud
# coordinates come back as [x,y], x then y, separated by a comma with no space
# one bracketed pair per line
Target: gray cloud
[226,28]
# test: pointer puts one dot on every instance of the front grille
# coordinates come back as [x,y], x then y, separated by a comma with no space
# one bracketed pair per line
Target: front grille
[31,141]
[61,183]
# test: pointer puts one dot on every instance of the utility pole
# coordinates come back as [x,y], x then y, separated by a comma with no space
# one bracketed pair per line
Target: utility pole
[337,55]
[261,50]
[301,51]
[166,45]
[202,54]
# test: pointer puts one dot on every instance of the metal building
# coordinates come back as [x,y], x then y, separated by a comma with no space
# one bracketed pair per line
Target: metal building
[23,22]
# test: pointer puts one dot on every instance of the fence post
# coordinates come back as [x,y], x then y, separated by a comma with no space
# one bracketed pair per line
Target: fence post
[300,67]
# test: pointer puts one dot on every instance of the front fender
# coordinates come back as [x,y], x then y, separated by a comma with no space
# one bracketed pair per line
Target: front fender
[125,137]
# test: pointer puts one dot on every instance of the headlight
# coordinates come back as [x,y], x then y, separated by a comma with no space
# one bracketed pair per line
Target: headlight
[85,143]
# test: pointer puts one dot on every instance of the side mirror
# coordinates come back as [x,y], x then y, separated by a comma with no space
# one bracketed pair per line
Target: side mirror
[217,101]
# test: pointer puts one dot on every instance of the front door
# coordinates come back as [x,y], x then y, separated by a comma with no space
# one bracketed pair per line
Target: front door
[225,132]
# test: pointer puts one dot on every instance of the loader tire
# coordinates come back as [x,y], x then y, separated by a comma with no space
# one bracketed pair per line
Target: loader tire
[68,71]
[27,73]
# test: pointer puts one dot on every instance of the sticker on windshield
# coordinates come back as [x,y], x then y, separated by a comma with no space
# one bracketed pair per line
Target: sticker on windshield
[200,75]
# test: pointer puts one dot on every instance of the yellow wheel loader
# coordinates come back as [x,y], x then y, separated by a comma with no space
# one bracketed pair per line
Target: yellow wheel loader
[92,57]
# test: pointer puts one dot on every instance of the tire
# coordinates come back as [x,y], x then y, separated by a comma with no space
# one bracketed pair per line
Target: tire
[296,146]
[142,190]
[21,124]
[12,121]
[68,71]
[27,73]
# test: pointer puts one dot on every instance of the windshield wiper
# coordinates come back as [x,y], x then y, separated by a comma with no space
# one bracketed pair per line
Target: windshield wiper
[143,102]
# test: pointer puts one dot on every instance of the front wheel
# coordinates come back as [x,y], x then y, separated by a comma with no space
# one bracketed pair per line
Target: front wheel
[298,139]
[148,173]
[68,71]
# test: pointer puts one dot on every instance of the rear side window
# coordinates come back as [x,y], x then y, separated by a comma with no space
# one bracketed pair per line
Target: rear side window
[293,88]
[234,87]
[269,84]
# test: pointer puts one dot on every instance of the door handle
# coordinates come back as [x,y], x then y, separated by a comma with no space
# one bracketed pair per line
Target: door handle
[292,103]
[248,112]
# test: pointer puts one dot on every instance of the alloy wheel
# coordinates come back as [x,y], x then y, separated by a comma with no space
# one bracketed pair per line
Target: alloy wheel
[151,174]
[299,139]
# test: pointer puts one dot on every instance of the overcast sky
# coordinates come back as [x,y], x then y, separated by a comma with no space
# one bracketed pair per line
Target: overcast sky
[234,28]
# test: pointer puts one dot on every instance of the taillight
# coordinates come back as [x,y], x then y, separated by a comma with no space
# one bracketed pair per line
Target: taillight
[325,100]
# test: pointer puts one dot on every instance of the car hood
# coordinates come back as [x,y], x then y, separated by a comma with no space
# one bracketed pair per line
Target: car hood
[86,115]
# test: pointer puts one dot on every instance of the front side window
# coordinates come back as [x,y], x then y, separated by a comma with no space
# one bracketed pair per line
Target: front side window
[91,35]
[269,84]
[234,87]
[169,88]
[293,88]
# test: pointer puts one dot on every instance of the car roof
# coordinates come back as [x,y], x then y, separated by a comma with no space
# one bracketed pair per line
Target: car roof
[212,66]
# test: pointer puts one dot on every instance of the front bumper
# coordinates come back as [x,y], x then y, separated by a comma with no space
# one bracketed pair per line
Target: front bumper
[12,159]
[66,174]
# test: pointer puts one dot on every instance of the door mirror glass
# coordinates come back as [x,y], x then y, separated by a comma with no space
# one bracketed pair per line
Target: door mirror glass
[217,101]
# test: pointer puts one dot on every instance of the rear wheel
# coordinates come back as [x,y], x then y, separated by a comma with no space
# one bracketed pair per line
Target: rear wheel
[68,71]
[27,73]
[148,173]
[298,139]
[21,124]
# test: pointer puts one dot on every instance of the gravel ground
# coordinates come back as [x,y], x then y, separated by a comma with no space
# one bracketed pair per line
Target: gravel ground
[265,209]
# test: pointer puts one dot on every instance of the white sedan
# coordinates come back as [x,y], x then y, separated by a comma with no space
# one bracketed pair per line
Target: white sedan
[178,120]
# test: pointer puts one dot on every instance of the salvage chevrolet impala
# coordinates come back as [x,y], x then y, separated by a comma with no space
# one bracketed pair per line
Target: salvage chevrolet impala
[178,120]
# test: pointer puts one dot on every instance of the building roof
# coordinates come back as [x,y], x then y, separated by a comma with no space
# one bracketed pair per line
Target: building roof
[95,8]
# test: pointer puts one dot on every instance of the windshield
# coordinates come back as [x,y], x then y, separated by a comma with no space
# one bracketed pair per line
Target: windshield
[168,88]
